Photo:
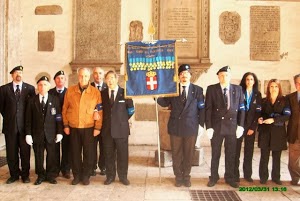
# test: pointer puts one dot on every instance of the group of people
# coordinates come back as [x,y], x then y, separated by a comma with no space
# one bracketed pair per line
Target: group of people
[69,124]
[232,114]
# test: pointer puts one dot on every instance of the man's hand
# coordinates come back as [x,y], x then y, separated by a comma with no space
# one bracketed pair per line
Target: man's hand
[210,133]
[59,137]
[96,132]
[96,116]
[29,140]
[239,131]
[67,130]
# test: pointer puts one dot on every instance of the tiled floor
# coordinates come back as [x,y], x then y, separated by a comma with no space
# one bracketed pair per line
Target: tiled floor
[145,183]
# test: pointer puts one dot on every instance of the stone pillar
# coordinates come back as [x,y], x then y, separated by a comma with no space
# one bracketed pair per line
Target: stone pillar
[165,145]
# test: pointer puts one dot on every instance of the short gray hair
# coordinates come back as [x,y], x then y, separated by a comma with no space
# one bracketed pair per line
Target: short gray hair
[83,68]
[295,77]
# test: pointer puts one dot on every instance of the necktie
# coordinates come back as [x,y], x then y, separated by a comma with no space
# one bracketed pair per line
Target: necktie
[183,95]
[43,104]
[59,91]
[112,97]
[18,92]
[99,87]
[225,97]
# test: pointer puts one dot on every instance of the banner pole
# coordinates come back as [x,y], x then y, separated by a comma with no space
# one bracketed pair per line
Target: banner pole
[158,140]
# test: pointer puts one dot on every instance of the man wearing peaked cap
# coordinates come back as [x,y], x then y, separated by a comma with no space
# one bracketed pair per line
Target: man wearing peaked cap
[224,69]
[43,130]
[224,120]
[63,160]
[186,121]
[43,78]
[17,68]
[183,67]
[14,97]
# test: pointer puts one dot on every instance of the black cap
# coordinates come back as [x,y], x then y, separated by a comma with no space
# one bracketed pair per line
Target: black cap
[58,74]
[16,68]
[224,69]
[183,67]
[43,78]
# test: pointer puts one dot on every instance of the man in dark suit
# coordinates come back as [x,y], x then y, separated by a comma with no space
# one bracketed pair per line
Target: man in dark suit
[14,97]
[64,163]
[293,132]
[187,113]
[98,74]
[117,110]
[224,119]
[43,129]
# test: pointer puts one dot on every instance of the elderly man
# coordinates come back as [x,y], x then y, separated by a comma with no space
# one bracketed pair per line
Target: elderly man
[13,99]
[81,100]
[224,119]
[98,75]
[44,129]
[64,162]
[293,132]
[187,113]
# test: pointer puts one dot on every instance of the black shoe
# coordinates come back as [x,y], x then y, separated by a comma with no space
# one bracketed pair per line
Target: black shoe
[125,182]
[211,183]
[86,182]
[263,181]
[93,173]
[12,180]
[233,184]
[187,183]
[39,181]
[75,181]
[278,182]
[294,182]
[237,180]
[26,180]
[52,181]
[103,172]
[109,181]
[249,179]
[178,183]
[67,175]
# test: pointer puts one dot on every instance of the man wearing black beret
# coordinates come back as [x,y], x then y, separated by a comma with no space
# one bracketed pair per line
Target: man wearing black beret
[224,120]
[13,100]
[187,117]
[43,130]
[65,160]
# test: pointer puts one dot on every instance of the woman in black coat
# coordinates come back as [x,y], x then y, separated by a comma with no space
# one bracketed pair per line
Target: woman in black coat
[272,131]
[252,96]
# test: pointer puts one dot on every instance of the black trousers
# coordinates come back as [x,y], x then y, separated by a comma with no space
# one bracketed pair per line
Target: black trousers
[82,152]
[16,149]
[101,160]
[116,150]
[248,155]
[51,162]
[230,149]
[183,149]
[63,157]
[263,164]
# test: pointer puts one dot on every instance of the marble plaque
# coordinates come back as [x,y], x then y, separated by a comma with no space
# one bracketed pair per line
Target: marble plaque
[229,27]
[136,31]
[265,33]
[97,31]
[46,40]
[189,19]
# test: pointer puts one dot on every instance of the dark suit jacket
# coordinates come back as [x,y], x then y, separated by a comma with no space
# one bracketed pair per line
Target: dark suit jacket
[104,86]
[61,96]
[13,112]
[115,119]
[254,111]
[40,126]
[185,119]
[293,129]
[223,121]
[273,136]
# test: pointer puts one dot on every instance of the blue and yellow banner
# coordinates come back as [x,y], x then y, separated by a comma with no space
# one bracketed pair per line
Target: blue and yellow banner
[151,68]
